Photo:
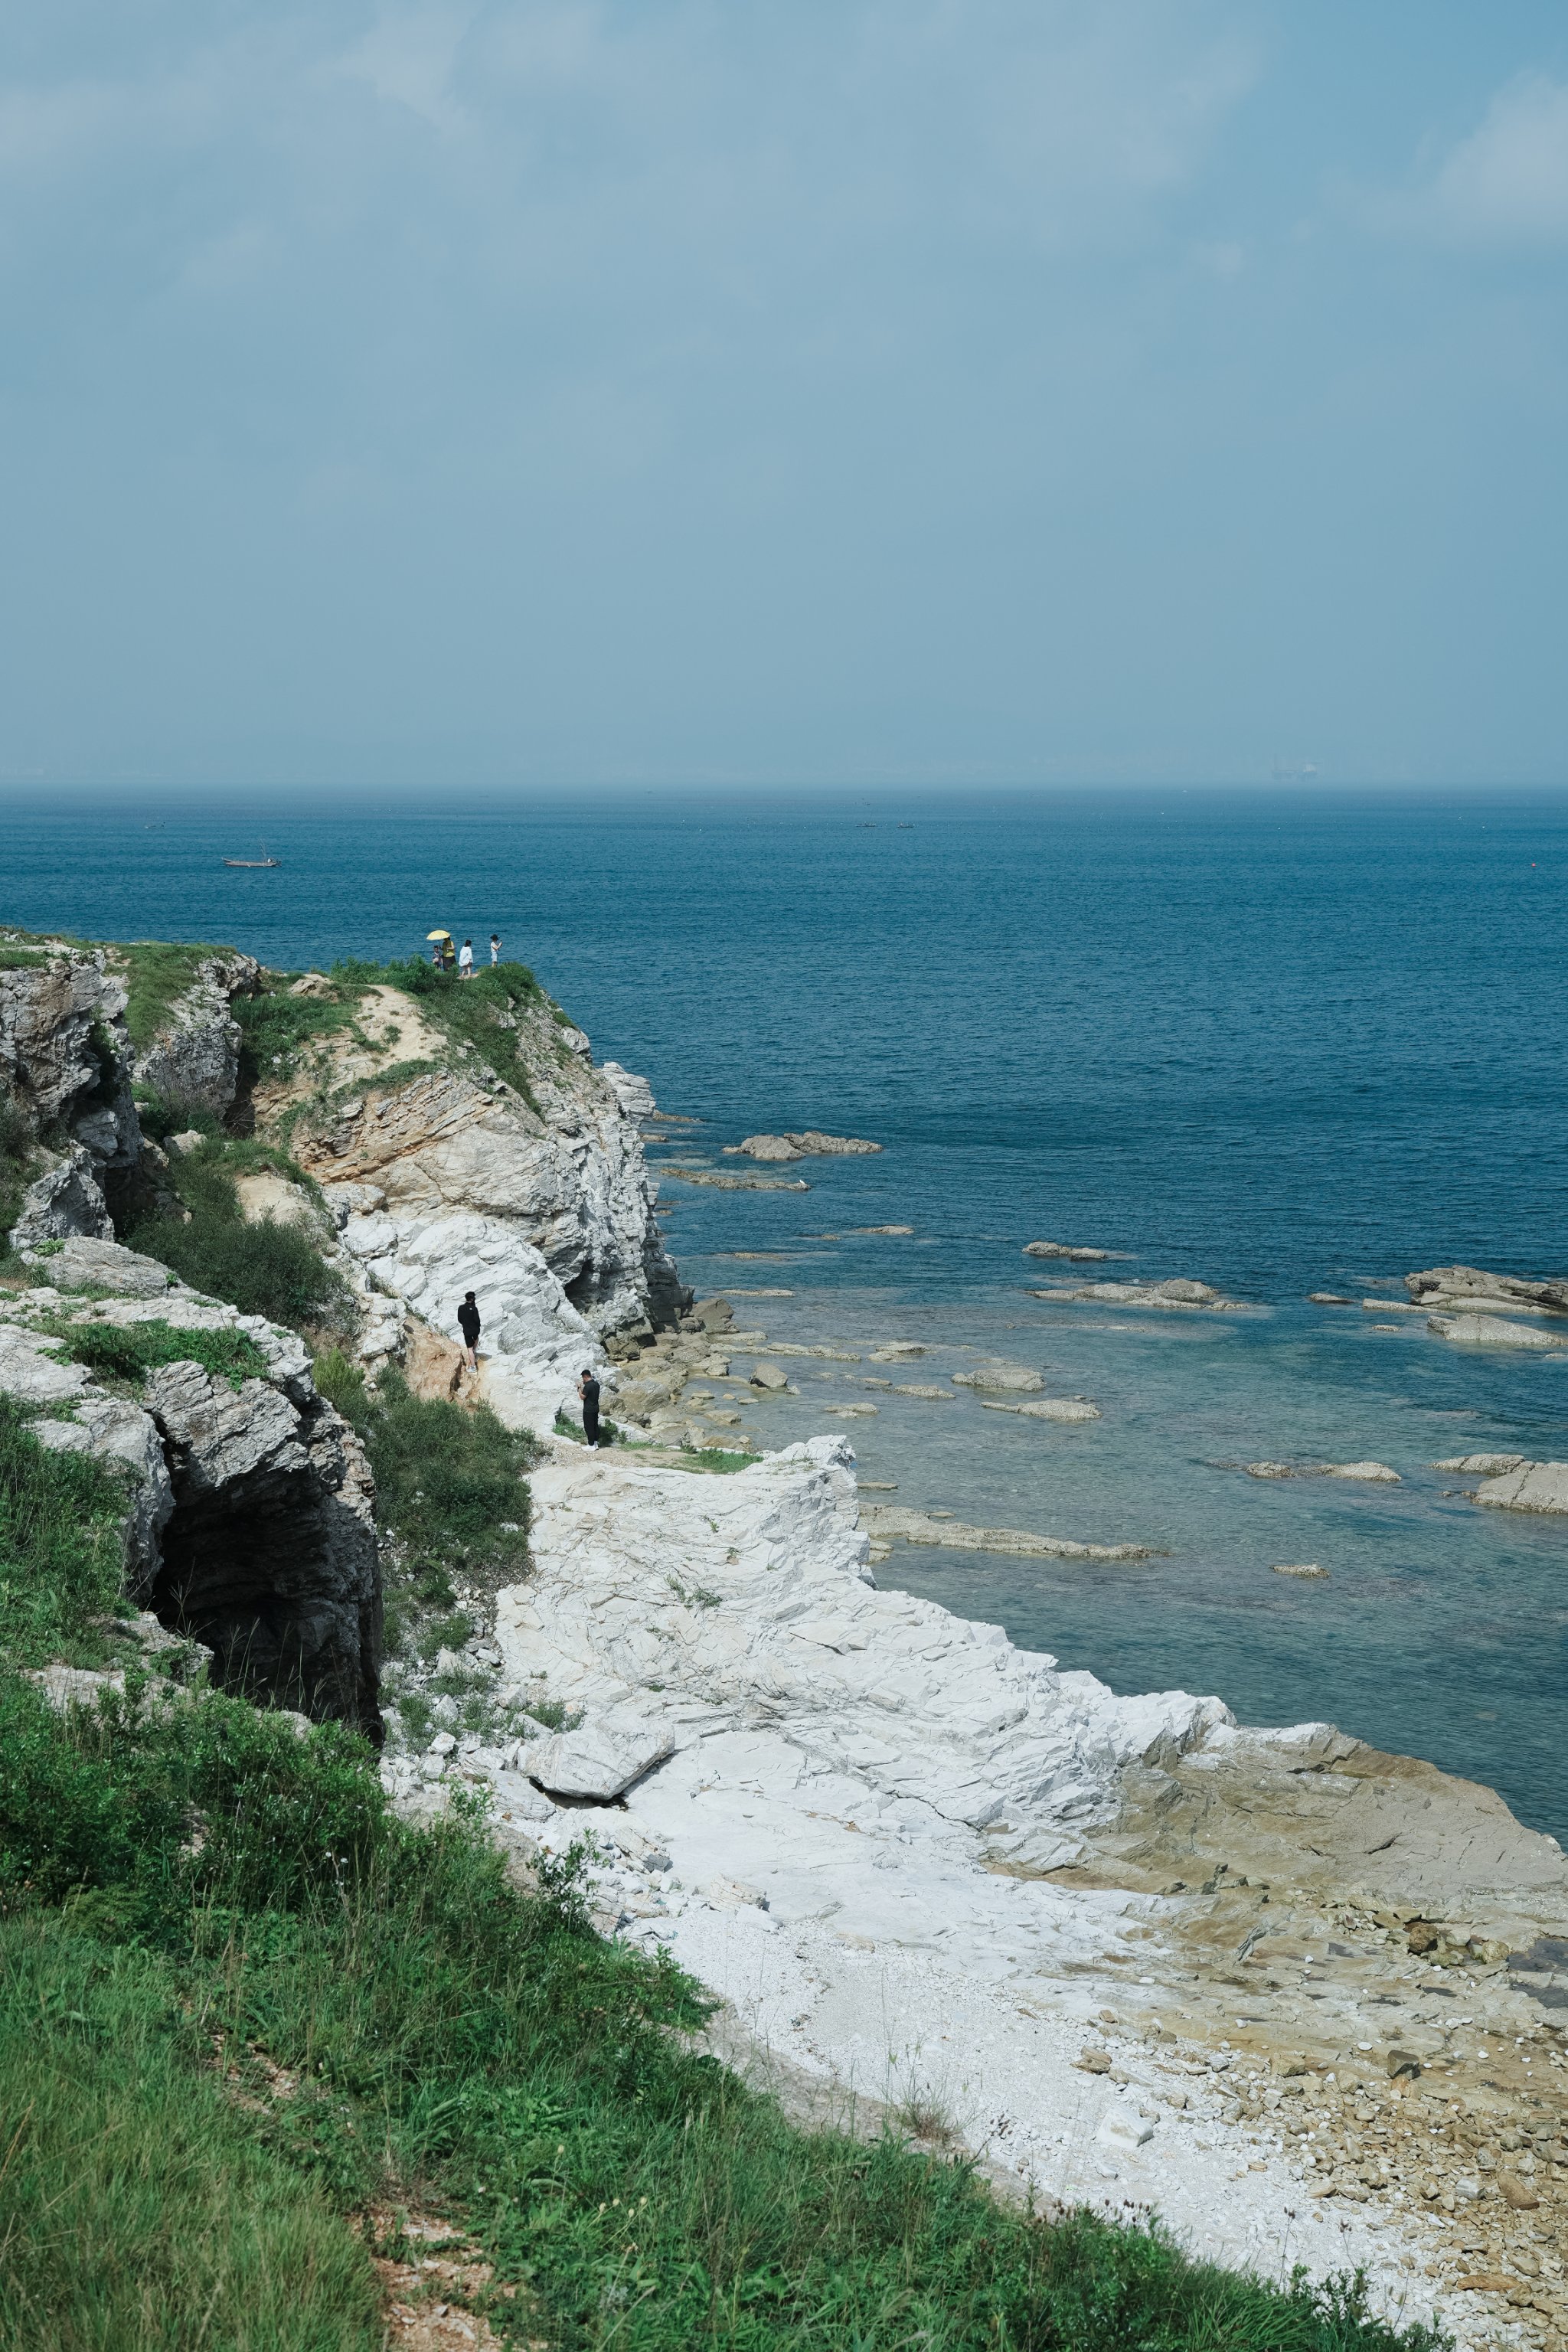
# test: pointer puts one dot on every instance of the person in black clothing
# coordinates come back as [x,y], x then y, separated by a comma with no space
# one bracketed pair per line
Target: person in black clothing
[588,1389]
[469,1323]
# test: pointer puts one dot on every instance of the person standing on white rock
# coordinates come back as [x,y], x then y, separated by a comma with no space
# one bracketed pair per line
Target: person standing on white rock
[588,1389]
[469,1324]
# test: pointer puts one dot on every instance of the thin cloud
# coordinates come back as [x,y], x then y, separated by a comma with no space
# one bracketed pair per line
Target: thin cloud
[1505,183]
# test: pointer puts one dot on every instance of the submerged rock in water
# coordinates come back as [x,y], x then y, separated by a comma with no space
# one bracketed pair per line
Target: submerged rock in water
[1492,1331]
[886,1522]
[724,1182]
[1002,1376]
[1483,1465]
[1048,1409]
[1178,1295]
[1063,1249]
[1308,1570]
[1373,1473]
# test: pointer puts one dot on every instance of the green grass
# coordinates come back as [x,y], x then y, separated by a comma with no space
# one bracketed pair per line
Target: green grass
[276,1027]
[21,959]
[128,1352]
[477,2047]
[481,1012]
[157,971]
[450,1491]
[266,1268]
[60,1553]
[143,2210]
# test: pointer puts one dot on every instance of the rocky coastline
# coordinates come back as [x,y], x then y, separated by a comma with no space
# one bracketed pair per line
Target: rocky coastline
[1308,2000]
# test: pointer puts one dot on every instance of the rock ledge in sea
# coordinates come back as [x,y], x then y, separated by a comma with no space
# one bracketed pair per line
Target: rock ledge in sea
[810,1144]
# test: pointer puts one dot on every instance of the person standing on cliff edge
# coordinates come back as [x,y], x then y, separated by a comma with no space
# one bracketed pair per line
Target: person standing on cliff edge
[588,1389]
[469,1324]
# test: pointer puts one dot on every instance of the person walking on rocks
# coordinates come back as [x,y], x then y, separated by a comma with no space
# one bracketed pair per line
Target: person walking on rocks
[469,1324]
[466,961]
[588,1389]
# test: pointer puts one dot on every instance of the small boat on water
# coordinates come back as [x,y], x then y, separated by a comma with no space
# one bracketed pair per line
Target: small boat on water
[253,862]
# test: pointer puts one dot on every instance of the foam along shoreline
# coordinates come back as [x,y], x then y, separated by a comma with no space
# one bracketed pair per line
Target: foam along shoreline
[1124,1948]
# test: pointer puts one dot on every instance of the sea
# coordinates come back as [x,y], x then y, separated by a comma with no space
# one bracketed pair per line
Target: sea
[1281,1044]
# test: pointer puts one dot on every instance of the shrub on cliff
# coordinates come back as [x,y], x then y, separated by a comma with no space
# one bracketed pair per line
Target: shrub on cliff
[266,1268]
[450,1490]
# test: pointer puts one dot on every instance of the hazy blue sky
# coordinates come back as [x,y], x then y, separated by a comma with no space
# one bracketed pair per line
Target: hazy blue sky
[1015,390]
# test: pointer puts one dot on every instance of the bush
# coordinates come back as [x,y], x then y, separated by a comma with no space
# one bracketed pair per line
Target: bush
[265,1268]
[16,1159]
[449,1488]
[481,1012]
[275,1027]
[132,1350]
[61,1553]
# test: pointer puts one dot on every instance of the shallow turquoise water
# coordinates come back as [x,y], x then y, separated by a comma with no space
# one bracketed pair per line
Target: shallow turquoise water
[1282,1048]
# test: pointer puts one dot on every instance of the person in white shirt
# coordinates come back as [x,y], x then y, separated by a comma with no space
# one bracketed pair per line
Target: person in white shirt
[466,961]
[495,947]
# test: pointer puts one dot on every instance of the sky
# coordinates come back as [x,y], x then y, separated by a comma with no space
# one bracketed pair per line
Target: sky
[666,393]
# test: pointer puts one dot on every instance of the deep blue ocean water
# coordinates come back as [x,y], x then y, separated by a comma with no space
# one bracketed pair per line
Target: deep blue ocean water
[1283,1047]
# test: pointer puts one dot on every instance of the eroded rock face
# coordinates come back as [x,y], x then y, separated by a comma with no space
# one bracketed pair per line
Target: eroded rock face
[248,1512]
[269,1556]
[194,1056]
[572,1185]
[64,1060]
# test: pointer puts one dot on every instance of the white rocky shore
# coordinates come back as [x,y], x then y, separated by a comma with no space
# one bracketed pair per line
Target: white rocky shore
[906,1856]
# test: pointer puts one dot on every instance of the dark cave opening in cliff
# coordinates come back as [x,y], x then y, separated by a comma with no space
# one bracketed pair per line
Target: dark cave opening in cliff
[250,1575]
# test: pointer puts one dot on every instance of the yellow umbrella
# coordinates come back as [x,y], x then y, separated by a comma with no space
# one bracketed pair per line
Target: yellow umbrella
[437,935]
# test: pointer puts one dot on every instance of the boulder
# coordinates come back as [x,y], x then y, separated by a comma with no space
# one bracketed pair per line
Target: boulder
[1062,1249]
[768,1376]
[601,1759]
[269,1554]
[1534,1487]
[1482,1465]
[82,1262]
[247,1520]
